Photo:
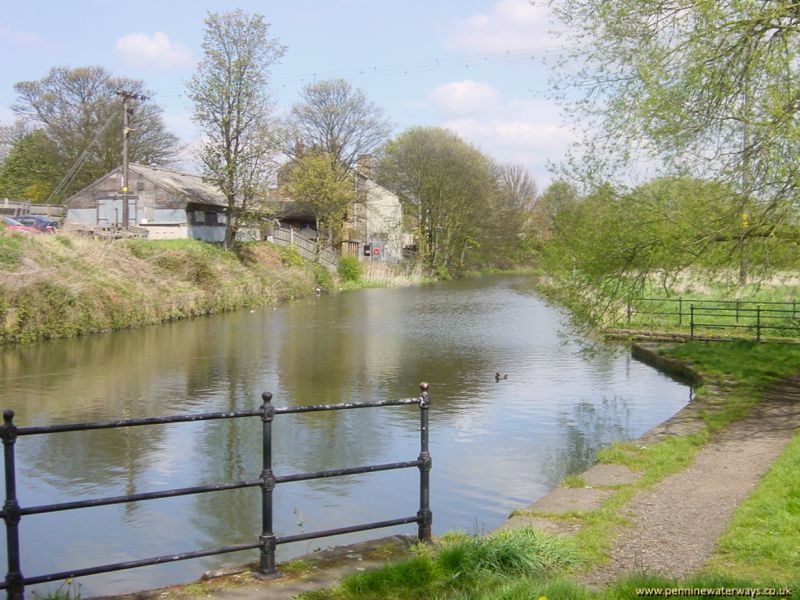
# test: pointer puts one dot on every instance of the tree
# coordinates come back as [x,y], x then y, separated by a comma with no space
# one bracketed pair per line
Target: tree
[32,168]
[506,235]
[446,183]
[80,112]
[319,181]
[612,246]
[336,119]
[233,107]
[708,89]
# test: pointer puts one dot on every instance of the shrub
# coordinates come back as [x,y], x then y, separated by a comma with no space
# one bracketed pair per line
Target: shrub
[323,277]
[349,268]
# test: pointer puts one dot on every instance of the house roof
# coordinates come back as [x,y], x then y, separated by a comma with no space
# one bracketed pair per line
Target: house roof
[191,188]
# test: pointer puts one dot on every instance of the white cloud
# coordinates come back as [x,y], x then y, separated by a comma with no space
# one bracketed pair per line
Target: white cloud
[20,38]
[511,25]
[463,97]
[157,51]
[510,130]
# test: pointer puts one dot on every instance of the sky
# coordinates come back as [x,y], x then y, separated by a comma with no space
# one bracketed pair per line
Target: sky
[473,66]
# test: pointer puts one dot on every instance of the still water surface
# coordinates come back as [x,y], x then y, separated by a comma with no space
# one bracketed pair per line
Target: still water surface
[495,446]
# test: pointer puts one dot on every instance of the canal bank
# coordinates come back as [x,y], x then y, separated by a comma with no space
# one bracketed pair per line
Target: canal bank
[64,286]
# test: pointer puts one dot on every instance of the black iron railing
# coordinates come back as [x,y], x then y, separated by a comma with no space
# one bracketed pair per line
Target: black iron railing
[267,541]
[779,319]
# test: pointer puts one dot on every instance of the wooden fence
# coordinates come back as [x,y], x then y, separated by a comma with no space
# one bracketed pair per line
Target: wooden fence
[308,249]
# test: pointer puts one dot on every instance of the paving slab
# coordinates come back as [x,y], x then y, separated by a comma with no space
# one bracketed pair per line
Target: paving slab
[610,475]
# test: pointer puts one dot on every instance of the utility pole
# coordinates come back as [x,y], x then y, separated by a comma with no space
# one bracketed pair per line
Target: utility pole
[127,110]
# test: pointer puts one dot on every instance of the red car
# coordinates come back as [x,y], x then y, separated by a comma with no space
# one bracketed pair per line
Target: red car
[14,225]
[40,222]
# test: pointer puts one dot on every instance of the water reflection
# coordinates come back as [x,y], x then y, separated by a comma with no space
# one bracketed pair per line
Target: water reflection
[496,445]
[584,429]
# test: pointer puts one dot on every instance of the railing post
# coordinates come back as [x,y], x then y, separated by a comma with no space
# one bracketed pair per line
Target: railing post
[267,537]
[691,321]
[424,515]
[758,323]
[8,431]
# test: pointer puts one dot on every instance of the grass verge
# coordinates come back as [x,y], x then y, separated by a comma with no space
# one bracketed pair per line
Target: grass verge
[62,286]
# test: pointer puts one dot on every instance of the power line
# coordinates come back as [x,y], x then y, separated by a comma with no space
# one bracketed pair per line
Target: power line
[408,68]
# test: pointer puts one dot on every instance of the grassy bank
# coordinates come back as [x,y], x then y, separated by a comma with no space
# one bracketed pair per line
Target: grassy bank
[65,286]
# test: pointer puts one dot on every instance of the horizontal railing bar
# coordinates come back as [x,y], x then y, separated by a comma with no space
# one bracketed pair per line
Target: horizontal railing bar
[219,487]
[347,471]
[342,530]
[203,417]
[722,326]
[131,564]
[710,310]
[136,422]
[739,302]
[318,407]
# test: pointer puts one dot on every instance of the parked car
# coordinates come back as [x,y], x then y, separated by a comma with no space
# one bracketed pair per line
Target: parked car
[14,225]
[40,222]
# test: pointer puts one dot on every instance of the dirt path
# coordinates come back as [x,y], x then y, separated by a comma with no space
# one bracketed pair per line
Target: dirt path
[676,523]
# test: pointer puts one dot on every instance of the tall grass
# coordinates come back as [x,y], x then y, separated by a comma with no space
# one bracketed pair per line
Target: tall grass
[63,286]
[461,565]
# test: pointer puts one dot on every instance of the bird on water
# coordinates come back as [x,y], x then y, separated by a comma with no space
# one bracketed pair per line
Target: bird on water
[498,377]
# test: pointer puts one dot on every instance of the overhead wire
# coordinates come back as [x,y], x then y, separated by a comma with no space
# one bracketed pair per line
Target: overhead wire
[403,69]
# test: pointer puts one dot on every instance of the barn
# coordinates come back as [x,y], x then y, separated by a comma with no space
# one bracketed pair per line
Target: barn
[166,203]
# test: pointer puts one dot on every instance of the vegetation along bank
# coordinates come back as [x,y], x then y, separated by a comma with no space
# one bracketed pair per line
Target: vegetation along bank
[64,286]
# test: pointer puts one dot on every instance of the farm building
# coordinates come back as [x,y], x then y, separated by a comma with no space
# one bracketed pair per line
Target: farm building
[168,204]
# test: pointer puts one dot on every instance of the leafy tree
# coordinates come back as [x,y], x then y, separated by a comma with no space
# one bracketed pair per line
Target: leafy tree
[319,181]
[613,246]
[446,184]
[709,89]
[233,106]
[506,234]
[336,119]
[32,168]
[80,112]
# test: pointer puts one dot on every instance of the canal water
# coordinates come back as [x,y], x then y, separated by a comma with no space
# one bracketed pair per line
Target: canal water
[496,446]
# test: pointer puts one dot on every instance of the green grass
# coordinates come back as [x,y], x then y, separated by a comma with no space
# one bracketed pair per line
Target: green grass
[574,481]
[11,252]
[68,590]
[746,362]
[461,564]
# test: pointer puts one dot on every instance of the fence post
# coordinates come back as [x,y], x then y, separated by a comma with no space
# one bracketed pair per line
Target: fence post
[691,321]
[680,312]
[758,323]
[8,431]
[737,312]
[424,515]
[267,537]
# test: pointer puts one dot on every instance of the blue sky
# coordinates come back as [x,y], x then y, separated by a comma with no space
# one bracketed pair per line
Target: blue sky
[473,66]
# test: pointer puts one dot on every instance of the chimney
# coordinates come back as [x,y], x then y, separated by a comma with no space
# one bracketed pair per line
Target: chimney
[364,163]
